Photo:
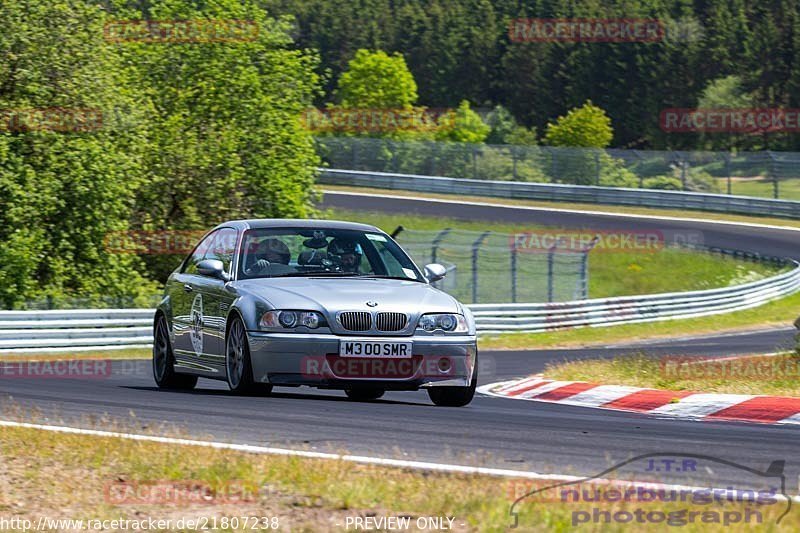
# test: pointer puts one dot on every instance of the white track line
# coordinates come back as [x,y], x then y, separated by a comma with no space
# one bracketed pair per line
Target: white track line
[419,465]
[562,210]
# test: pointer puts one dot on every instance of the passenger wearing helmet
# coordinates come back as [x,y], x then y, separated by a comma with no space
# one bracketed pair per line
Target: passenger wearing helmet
[348,252]
[267,253]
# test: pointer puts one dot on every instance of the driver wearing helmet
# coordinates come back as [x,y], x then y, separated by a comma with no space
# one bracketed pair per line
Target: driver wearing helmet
[266,253]
[349,253]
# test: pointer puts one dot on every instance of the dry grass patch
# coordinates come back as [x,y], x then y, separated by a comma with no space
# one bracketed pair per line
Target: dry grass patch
[66,476]
[777,375]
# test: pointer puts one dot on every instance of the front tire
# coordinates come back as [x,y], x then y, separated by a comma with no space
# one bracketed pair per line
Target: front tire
[364,395]
[164,361]
[238,367]
[454,396]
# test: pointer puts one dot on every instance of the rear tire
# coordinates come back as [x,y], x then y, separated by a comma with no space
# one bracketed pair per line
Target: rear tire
[454,396]
[238,367]
[364,395]
[164,361]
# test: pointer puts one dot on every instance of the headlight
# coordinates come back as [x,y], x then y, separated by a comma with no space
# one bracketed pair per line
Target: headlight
[290,319]
[449,322]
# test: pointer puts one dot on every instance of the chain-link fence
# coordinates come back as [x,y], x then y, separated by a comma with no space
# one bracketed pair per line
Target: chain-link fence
[760,174]
[488,267]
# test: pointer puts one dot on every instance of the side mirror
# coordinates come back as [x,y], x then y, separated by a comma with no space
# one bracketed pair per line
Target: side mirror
[212,268]
[435,272]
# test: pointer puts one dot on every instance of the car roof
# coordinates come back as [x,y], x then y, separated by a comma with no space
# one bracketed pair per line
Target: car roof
[263,223]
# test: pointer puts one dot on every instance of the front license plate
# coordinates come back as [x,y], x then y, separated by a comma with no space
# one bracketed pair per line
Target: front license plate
[380,349]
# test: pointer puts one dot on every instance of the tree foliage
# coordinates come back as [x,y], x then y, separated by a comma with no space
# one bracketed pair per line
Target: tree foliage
[62,192]
[461,49]
[587,126]
[467,126]
[191,134]
[377,80]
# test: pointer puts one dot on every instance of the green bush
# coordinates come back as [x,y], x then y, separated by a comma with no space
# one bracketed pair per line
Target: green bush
[666,183]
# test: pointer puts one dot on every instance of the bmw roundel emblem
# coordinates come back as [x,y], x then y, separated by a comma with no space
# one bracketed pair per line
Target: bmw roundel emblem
[372,303]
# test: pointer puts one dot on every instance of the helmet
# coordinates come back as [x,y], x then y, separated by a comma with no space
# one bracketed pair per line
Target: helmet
[273,250]
[341,247]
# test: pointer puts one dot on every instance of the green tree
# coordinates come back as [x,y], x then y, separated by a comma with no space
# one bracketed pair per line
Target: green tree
[587,126]
[63,192]
[726,93]
[502,124]
[377,80]
[225,140]
[522,136]
[467,126]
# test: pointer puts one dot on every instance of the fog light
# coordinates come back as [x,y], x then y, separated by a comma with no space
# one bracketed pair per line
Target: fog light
[444,364]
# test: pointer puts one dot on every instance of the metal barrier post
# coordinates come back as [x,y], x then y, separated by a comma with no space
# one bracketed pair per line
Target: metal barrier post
[683,165]
[514,271]
[597,167]
[550,253]
[775,191]
[475,247]
[474,163]
[514,161]
[438,239]
[584,278]
[728,170]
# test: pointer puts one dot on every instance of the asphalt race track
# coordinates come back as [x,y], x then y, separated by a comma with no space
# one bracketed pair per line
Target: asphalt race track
[531,436]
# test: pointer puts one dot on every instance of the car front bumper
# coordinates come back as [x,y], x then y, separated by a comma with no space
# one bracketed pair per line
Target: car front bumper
[313,359]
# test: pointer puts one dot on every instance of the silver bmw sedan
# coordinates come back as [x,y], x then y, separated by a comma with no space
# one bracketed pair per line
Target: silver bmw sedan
[334,305]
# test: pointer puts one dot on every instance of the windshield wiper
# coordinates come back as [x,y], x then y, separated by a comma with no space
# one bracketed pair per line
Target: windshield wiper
[314,273]
[380,276]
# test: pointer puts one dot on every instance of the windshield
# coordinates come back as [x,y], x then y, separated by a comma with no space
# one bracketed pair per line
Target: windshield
[286,252]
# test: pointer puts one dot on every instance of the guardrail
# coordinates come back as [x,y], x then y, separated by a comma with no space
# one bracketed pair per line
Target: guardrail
[103,329]
[556,192]
[75,329]
[601,312]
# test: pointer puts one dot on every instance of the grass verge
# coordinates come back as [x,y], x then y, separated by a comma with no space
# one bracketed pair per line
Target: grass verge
[125,353]
[775,375]
[78,477]
[610,273]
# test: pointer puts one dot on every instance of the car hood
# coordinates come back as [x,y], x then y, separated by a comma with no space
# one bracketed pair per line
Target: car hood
[351,294]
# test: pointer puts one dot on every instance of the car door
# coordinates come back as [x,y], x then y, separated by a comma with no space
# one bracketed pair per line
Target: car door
[188,308]
[217,298]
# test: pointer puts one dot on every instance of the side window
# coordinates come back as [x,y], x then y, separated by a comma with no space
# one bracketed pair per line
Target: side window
[223,247]
[199,253]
